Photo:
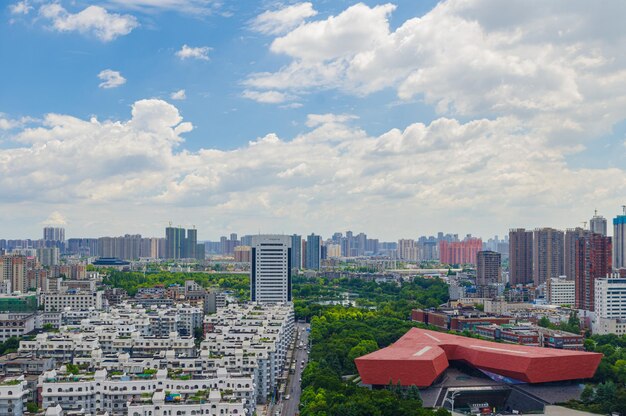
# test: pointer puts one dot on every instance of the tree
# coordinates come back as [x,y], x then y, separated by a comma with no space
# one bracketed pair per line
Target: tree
[544,322]
[587,394]
[32,407]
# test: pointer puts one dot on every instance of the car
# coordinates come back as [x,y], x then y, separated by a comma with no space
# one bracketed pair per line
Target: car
[287,397]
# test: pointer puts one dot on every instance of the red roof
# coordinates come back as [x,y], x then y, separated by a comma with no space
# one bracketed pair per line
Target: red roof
[420,356]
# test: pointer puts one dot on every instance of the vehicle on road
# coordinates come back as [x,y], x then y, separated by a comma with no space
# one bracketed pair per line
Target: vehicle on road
[287,397]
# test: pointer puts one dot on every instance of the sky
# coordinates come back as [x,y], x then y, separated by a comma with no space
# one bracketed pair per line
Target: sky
[398,119]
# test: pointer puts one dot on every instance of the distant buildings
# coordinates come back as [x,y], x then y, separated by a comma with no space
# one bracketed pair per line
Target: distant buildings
[548,259]
[571,238]
[520,256]
[179,245]
[270,272]
[593,261]
[488,268]
[619,241]
[296,252]
[313,252]
[597,224]
[408,250]
[54,234]
[460,252]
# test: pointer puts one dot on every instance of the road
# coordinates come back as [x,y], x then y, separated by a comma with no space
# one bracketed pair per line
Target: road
[290,407]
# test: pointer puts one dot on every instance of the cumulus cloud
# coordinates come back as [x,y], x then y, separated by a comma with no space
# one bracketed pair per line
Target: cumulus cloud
[268,97]
[21,7]
[200,52]
[283,20]
[94,20]
[556,61]
[442,175]
[111,79]
[178,95]
[55,218]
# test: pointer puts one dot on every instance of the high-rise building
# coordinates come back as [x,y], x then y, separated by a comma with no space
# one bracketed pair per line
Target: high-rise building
[313,252]
[48,256]
[181,245]
[53,233]
[520,256]
[488,268]
[460,252]
[593,261]
[597,224]
[571,238]
[610,310]
[408,250]
[270,272]
[242,254]
[619,241]
[548,259]
[296,252]
[13,269]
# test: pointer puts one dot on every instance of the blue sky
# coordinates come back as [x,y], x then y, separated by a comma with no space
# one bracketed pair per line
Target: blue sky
[398,119]
[57,72]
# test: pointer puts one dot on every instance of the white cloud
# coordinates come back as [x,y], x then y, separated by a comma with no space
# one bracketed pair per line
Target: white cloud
[482,175]
[7,123]
[56,219]
[559,65]
[267,97]
[200,52]
[178,95]
[93,20]
[283,20]
[111,79]
[21,7]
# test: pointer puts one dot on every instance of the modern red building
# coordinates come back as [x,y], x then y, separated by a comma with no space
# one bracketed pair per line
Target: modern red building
[421,356]
[593,261]
[460,252]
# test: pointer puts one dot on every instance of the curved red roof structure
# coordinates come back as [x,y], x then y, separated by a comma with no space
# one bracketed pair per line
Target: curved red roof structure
[420,356]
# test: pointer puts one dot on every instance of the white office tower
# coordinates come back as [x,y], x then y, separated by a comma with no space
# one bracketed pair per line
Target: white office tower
[610,306]
[270,274]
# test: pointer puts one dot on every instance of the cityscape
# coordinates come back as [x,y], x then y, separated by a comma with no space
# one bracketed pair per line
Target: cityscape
[312,208]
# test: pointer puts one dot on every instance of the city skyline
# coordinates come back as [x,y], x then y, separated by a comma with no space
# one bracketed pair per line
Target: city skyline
[124,115]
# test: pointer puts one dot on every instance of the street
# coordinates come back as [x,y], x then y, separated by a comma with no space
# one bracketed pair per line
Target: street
[290,407]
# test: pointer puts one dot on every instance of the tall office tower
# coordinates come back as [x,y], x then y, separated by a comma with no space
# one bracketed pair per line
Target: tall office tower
[349,244]
[303,253]
[191,242]
[520,256]
[571,238]
[597,224]
[337,238]
[296,252]
[313,252]
[408,250]
[270,272]
[548,259]
[619,241]
[54,233]
[361,243]
[488,268]
[174,240]
[48,256]
[593,261]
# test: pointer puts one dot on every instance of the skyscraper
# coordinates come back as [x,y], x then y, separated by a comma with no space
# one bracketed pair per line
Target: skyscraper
[488,268]
[296,252]
[548,259]
[54,233]
[571,237]
[619,241]
[593,261]
[313,252]
[270,272]
[520,256]
[597,224]
[181,245]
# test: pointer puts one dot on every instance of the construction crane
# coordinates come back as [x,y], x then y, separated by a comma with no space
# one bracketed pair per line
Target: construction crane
[624,209]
